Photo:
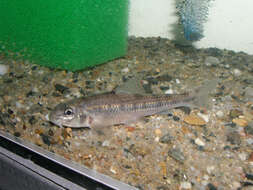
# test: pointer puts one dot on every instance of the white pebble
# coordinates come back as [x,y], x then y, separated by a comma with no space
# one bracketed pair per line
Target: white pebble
[113,170]
[3,69]
[47,117]
[220,114]
[106,143]
[237,72]
[199,142]
[210,169]
[177,81]
[185,185]
[125,70]
[169,91]
[243,156]
[203,116]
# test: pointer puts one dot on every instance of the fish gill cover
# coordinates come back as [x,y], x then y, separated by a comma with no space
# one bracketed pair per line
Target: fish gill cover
[193,14]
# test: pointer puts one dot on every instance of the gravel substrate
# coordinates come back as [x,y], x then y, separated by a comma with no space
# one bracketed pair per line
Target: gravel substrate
[204,148]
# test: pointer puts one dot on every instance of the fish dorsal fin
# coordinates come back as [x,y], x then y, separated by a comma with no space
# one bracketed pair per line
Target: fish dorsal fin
[131,86]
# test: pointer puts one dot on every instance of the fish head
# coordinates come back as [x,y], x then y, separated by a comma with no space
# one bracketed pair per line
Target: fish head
[70,115]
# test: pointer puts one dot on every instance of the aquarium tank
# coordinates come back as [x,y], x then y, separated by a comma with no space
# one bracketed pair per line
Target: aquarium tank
[127,95]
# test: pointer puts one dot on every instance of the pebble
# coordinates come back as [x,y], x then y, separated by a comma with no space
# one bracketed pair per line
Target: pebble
[177,155]
[240,122]
[199,142]
[249,129]
[166,139]
[211,187]
[125,70]
[235,113]
[219,114]
[194,120]
[249,93]
[60,88]
[242,156]
[185,185]
[237,72]
[210,169]
[169,91]
[203,116]
[211,61]
[3,69]
[234,138]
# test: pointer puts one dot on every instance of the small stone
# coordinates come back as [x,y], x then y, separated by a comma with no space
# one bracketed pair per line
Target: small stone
[211,61]
[237,72]
[169,91]
[235,113]
[234,138]
[106,143]
[166,139]
[3,69]
[243,156]
[249,93]
[194,120]
[158,132]
[211,187]
[17,134]
[164,77]
[249,129]
[177,155]
[204,116]
[240,122]
[60,88]
[176,118]
[185,185]
[199,142]
[113,170]
[220,114]
[210,169]
[125,70]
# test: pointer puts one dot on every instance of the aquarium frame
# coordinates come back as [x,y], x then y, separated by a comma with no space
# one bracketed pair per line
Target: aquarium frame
[36,175]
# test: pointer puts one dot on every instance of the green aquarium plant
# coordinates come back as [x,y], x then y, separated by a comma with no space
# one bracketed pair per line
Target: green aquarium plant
[64,34]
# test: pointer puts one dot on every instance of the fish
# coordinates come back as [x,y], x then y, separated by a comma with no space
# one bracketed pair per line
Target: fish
[112,108]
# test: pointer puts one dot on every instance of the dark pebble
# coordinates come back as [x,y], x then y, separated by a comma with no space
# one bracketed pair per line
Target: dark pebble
[166,139]
[235,113]
[165,77]
[60,88]
[164,88]
[75,75]
[147,88]
[152,80]
[8,80]
[163,188]
[34,68]
[211,187]
[249,129]
[234,138]
[186,110]
[176,118]
[249,176]
[32,120]
[50,132]
[226,147]
[30,93]
[45,139]
[90,84]
[10,111]
[17,134]
[55,94]
[177,155]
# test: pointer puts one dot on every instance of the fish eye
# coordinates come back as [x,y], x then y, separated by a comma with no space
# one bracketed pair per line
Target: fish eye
[68,111]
